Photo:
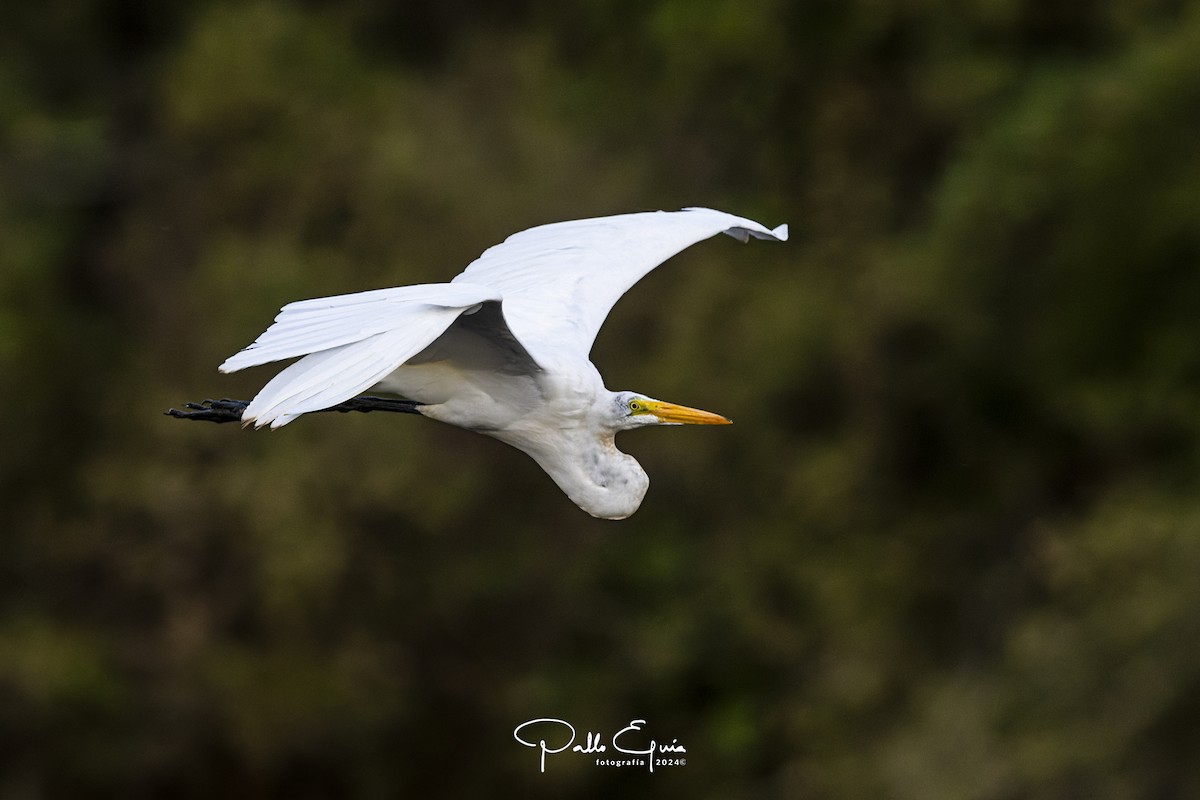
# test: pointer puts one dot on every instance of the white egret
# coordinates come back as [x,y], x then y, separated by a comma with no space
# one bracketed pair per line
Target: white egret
[502,349]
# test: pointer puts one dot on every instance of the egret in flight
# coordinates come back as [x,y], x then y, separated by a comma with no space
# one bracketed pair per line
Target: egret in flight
[502,349]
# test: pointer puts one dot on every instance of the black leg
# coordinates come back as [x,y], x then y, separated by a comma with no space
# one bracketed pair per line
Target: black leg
[367,403]
[226,410]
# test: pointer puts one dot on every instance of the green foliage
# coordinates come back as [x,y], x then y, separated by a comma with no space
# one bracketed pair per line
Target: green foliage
[947,550]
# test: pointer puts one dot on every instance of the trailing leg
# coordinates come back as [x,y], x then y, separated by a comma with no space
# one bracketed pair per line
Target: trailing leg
[226,410]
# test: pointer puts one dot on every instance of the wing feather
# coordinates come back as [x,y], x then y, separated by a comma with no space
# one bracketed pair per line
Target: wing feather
[348,343]
[308,326]
[559,281]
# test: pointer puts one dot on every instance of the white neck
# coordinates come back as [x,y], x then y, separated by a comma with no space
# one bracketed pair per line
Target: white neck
[604,482]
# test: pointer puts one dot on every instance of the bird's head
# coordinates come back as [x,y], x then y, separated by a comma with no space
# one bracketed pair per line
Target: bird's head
[633,410]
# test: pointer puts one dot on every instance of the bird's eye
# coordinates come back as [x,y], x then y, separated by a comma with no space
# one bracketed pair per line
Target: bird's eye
[635,406]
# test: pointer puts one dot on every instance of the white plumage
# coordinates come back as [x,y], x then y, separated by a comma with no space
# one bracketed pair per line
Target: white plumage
[502,349]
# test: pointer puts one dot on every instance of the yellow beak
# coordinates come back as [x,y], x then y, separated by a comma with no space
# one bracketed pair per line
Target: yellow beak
[682,415]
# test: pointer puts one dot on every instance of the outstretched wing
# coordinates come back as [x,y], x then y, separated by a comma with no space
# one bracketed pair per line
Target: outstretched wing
[349,343]
[559,281]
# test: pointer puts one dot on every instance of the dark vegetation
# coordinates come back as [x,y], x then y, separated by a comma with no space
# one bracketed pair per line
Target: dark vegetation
[949,550]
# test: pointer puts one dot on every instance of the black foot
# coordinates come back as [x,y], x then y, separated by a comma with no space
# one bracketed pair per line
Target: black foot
[223,410]
[226,410]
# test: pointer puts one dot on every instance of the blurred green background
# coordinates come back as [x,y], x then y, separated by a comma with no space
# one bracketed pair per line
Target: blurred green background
[949,550]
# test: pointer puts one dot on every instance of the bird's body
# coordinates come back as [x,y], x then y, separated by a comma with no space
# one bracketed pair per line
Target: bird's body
[501,350]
